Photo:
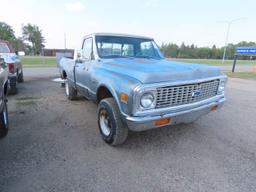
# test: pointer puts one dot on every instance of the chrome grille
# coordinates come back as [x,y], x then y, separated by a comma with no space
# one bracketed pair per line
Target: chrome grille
[184,94]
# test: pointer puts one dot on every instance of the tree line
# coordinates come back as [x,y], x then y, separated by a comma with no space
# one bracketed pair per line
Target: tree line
[191,51]
[31,41]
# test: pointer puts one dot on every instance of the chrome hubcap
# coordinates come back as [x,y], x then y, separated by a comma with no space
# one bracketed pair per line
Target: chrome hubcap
[5,117]
[66,88]
[105,123]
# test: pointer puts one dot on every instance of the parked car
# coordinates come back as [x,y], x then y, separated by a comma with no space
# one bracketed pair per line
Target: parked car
[4,123]
[136,88]
[14,64]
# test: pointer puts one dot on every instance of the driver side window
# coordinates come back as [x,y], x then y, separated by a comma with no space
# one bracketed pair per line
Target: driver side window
[87,48]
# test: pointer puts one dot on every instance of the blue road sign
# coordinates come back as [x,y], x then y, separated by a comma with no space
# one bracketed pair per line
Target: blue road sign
[246,51]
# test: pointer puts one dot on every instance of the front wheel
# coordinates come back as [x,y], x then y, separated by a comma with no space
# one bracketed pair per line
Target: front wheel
[13,89]
[4,122]
[112,129]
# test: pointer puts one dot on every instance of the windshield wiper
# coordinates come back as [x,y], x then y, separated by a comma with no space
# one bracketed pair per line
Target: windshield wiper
[146,57]
[118,56]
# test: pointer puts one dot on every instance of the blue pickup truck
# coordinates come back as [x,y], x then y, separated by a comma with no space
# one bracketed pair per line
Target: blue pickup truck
[136,88]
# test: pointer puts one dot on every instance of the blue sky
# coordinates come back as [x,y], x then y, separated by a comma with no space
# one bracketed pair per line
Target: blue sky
[192,21]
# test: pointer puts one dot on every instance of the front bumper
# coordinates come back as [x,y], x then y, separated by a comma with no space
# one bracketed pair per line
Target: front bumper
[142,123]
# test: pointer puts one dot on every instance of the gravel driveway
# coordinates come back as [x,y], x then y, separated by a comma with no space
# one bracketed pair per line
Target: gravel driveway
[54,145]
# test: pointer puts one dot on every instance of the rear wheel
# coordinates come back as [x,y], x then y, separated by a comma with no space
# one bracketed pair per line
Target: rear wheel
[20,77]
[112,129]
[13,89]
[70,91]
[4,122]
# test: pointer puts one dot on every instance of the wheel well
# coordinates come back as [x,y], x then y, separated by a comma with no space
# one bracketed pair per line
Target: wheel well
[5,88]
[103,93]
[64,74]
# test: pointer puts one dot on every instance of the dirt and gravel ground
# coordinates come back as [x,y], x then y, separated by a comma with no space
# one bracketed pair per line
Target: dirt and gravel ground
[54,145]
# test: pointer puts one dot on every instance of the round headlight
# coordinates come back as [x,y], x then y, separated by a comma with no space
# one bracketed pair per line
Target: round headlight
[147,100]
[221,87]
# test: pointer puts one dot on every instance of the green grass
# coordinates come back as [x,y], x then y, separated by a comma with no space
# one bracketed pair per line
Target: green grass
[24,101]
[26,98]
[37,61]
[243,75]
[216,62]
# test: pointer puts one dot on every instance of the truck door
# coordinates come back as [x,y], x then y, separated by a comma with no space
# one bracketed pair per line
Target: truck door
[82,67]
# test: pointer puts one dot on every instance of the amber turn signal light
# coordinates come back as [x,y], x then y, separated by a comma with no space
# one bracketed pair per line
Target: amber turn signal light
[124,97]
[162,122]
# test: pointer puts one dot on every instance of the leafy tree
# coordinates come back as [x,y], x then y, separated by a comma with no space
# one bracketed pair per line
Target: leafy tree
[185,51]
[6,32]
[19,45]
[33,34]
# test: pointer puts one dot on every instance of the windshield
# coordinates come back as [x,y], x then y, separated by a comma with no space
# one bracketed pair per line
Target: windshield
[4,48]
[118,47]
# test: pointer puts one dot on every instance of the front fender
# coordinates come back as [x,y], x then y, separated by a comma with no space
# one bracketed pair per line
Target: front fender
[117,84]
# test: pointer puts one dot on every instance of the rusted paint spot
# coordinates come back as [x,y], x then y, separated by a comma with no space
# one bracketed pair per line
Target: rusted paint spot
[117,65]
[144,61]
[123,77]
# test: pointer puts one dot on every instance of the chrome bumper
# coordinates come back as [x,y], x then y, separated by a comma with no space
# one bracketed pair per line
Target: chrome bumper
[142,123]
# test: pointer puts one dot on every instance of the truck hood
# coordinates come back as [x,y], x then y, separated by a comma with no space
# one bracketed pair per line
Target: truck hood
[156,71]
[8,57]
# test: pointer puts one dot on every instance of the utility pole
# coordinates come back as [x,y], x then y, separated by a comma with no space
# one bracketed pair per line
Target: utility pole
[227,35]
[65,43]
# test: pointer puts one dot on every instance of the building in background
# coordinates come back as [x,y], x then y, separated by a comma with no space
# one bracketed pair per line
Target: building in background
[52,52]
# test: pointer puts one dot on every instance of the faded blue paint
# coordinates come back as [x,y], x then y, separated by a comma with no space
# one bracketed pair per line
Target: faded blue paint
[155,71]
[10,57]
[125,75]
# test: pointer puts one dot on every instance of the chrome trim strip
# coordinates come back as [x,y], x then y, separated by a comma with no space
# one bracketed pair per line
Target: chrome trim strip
[81,85]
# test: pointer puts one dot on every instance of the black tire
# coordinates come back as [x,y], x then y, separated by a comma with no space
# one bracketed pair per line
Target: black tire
[13,89]
[70,91]
[118,131]
[4,122]
[20,77]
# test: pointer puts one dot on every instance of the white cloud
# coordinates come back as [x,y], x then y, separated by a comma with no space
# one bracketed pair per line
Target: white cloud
[75,6]
[151,3]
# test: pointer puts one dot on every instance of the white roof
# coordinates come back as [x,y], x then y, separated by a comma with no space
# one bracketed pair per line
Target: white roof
[118,35]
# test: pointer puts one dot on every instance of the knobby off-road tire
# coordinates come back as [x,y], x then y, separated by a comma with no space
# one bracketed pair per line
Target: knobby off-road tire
[13,85]
[109,117]
[70,91]
[4,121]
[20,77]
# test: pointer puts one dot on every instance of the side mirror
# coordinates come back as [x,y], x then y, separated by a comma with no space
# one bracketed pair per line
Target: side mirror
[79,57]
